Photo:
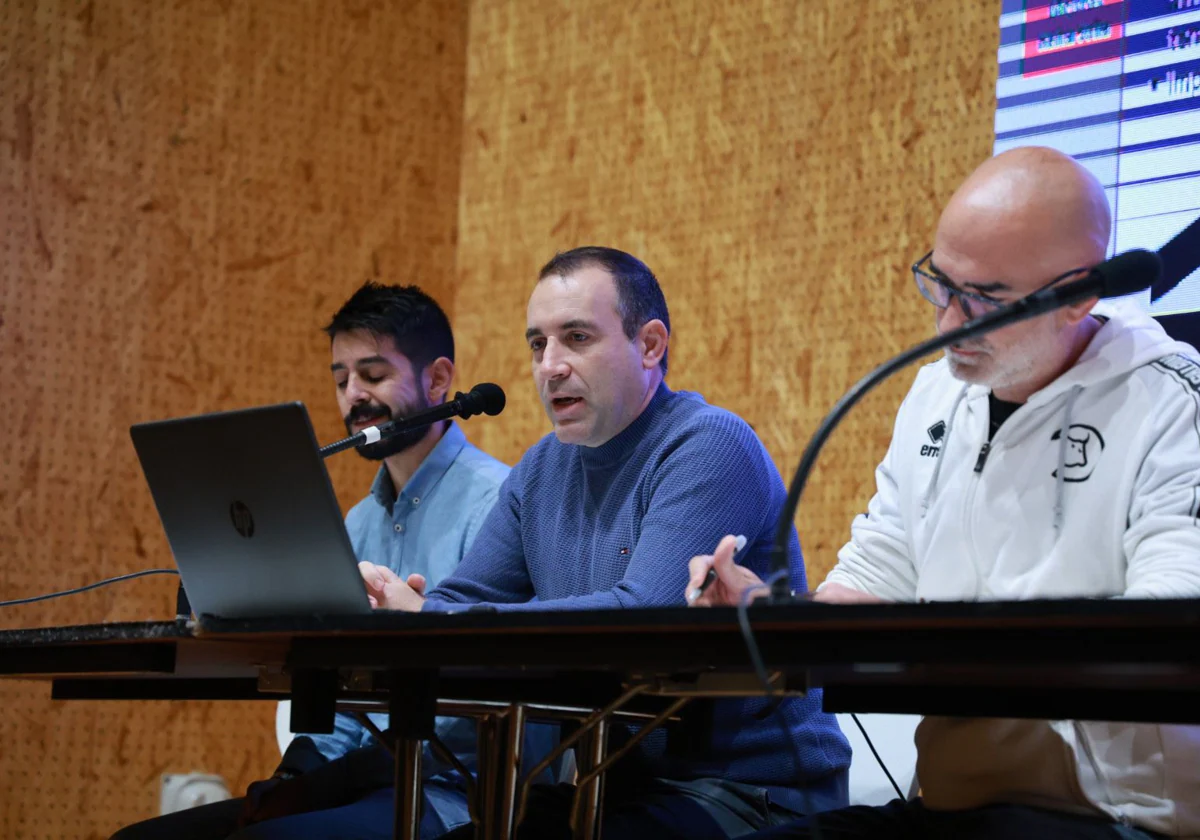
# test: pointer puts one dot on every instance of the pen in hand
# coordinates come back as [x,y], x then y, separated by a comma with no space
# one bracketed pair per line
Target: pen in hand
[739,544]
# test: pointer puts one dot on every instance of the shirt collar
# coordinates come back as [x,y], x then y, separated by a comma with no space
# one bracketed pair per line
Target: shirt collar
[435,465]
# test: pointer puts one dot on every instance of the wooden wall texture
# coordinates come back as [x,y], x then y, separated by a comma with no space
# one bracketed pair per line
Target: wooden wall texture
[779,165]
[187,192]
[188,188]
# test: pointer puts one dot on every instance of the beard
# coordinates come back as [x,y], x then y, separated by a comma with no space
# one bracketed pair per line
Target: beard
[1007,366]
[379,414]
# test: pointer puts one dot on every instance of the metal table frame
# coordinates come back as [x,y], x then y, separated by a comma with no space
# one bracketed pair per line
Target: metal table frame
[1098,660]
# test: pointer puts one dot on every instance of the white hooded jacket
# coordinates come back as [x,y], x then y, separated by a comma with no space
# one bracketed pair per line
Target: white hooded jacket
[1090,489]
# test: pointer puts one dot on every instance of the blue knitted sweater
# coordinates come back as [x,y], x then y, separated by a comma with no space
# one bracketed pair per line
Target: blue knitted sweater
[614,526]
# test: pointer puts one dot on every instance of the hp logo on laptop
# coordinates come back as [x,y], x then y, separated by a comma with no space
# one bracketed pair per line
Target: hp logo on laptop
[243,522]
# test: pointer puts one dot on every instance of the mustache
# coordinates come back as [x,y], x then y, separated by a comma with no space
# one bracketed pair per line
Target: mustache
[367,411]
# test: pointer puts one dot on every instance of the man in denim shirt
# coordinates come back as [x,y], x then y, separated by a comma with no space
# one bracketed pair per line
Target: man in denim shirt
[393,354]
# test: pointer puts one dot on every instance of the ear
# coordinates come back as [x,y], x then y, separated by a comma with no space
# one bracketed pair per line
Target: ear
[438,377]
[1071,315]
[653,340]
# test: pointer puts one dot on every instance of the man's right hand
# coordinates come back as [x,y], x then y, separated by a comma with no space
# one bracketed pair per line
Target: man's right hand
[732,582]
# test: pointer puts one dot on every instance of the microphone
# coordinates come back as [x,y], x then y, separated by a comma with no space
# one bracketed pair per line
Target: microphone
[1124,274]
[484,398]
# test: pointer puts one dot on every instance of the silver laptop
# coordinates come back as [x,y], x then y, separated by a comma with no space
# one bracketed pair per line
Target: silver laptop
[250,514]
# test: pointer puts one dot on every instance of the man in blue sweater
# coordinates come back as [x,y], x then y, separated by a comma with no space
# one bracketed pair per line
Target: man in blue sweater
[606,513]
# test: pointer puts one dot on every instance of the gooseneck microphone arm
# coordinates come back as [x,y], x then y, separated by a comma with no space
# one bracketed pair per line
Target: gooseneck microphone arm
[1122,275]
[484,398]
[366,436]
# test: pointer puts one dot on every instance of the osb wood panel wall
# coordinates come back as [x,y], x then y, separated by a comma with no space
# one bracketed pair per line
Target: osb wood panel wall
[187,191]
[777,164]
[188,188]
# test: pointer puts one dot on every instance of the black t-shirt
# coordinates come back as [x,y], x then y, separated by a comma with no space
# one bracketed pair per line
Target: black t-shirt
[998,411]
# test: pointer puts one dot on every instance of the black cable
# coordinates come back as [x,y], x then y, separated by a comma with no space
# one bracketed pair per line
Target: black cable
[95,585]
[776,699]
[756,659]
[875,753]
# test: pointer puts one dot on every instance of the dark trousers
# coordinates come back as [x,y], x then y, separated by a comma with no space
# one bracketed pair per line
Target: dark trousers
[900,820]
[657,809]
[370,818]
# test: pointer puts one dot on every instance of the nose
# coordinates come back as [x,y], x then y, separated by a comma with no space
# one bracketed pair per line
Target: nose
[355,393]
[553,364]
[953,316]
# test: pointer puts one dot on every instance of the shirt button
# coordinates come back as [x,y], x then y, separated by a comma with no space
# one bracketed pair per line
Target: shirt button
[398,528]
[416,500]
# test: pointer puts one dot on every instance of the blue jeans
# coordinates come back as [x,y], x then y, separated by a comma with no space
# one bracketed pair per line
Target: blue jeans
[901,820]
[370,818]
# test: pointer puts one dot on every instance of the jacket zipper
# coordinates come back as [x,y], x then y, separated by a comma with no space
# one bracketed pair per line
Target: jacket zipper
[983,454]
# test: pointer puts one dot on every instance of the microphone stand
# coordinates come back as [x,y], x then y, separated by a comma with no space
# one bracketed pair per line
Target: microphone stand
[461,406]
[372,434]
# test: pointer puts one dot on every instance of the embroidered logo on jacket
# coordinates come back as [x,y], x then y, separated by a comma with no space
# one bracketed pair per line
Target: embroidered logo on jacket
[1084,445]
[936,433]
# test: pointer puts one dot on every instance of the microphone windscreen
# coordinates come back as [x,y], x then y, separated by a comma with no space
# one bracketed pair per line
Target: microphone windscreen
[1127,273]
[489,398]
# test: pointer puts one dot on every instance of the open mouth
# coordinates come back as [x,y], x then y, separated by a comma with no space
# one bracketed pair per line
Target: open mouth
[561,403]
[369,421]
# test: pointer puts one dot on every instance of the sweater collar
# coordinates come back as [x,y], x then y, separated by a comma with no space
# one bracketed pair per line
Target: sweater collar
[616,450]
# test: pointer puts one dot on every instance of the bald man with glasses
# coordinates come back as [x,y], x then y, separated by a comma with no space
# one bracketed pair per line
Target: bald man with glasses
[1058,457]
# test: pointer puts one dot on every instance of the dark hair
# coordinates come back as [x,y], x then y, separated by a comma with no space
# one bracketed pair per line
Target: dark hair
[639,297]
[405,314]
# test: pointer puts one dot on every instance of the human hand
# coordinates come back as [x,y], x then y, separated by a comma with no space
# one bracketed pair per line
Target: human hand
[386,590]
[836,593]
[732,582]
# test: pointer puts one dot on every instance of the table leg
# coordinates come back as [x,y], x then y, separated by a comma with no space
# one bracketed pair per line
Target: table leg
[407,753]
[488,764]
[510,769]
[585,811]
[412,705]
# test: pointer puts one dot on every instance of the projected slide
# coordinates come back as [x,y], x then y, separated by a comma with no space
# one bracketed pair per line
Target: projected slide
[1116,84]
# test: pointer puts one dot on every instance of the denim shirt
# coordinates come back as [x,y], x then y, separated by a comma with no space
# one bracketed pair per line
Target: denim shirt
[425,529]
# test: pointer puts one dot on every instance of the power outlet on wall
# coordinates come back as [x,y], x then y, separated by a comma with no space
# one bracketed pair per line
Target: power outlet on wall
[180,791]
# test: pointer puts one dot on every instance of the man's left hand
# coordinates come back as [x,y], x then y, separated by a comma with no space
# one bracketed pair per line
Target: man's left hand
[387,591]
[835,593]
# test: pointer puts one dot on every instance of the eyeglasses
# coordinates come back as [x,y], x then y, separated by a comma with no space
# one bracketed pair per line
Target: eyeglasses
[938,290]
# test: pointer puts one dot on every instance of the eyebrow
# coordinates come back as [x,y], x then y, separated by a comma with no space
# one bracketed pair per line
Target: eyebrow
[982,288]
[577,324]
[366,360]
